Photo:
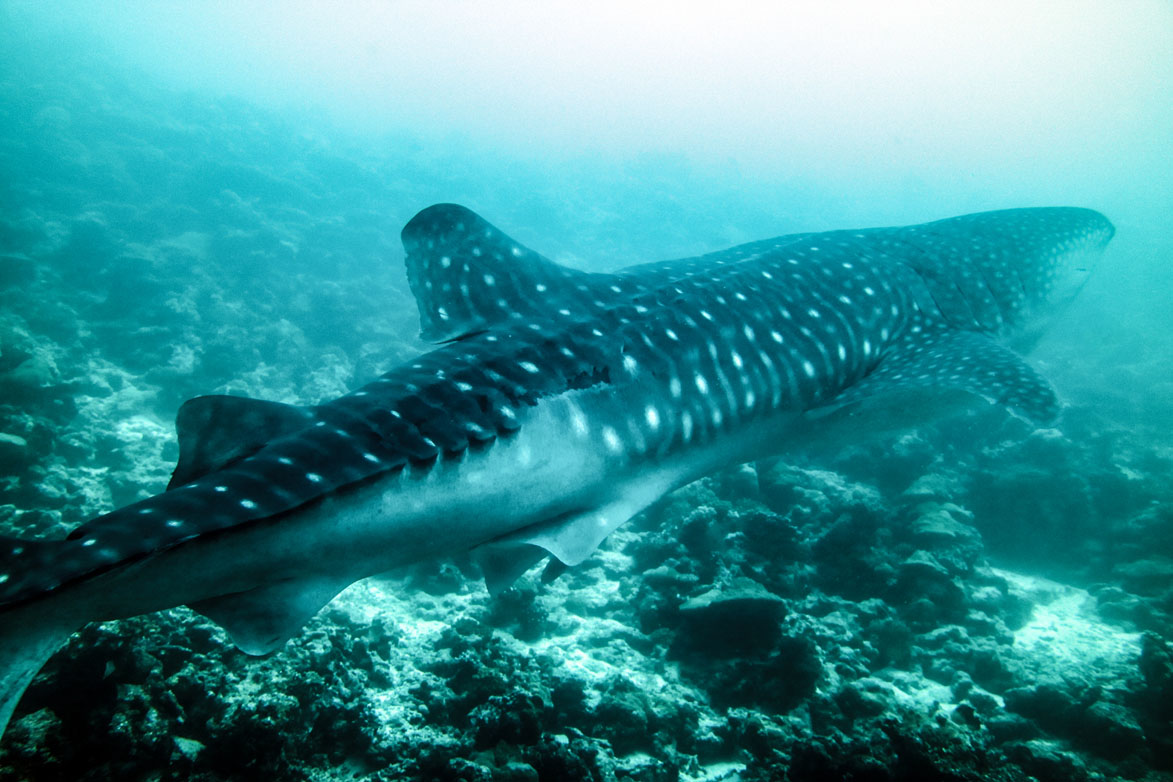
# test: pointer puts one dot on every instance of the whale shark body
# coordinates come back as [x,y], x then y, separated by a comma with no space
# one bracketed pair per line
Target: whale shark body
[559,404]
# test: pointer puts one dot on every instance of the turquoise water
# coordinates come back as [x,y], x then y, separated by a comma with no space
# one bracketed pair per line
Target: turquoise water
[209,199]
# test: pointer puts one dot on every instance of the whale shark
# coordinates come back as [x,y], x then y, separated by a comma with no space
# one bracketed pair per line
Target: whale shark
[555,406]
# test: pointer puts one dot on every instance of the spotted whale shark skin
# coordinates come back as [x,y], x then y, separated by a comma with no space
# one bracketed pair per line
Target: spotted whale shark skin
[557,404]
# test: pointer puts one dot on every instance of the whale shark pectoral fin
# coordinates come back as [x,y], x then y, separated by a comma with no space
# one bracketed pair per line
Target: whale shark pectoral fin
[570,538]
[947,360]
[503,562]
[216,430]
[263,619]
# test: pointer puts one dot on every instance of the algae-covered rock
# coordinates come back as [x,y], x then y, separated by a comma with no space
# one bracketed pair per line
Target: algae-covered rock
[1046,762]
[928,592]
[947,531]
[1148,576]
[15,454]
[739,618]
[16,270]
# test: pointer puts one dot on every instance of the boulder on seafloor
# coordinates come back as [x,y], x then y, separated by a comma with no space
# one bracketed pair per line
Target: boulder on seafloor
[1088,717]
[926,592]
[16,270]
[1045,762]
[737,619]
[15,454]
[1154,700]
[731,639]
[945,530]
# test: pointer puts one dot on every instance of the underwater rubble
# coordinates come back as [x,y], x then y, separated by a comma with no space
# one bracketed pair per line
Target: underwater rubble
[971,601]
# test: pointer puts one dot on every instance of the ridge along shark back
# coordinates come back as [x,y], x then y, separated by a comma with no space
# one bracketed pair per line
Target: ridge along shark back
[560,404]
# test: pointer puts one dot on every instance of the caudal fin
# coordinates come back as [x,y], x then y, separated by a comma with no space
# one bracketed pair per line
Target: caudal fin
[31,628]
[28,638]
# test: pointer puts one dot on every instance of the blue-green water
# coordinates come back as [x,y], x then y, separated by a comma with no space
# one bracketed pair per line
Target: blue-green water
[208,200]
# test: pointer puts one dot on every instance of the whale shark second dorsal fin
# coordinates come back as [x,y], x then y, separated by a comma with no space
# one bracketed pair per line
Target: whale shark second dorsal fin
[217,430]
[467,276]
[261,620]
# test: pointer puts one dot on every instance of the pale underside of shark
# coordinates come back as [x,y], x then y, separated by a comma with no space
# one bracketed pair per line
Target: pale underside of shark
[560,404]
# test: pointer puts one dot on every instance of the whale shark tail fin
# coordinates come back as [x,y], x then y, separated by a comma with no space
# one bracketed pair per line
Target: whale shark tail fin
[29,636]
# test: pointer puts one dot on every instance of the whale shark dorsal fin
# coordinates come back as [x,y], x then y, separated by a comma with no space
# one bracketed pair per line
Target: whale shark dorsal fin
[467,276]
[215,431]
